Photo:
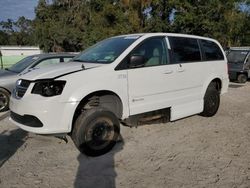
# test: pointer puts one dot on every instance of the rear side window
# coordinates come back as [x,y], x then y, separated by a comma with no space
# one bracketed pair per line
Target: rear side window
[211,51]
[185,50]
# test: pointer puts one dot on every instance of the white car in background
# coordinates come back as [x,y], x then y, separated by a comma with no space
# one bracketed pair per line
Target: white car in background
[129,79]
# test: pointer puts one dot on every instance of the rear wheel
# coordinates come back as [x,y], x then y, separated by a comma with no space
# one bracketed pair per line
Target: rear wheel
[96,131]
[211,101]
[242,78]
[4,100]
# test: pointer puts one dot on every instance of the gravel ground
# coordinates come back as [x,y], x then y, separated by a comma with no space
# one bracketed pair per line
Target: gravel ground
[192,152]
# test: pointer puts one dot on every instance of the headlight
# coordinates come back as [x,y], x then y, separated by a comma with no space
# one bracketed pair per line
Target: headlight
[48,88]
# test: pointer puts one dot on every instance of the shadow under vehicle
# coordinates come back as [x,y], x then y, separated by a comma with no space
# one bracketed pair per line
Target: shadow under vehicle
[9,76]
[239,64]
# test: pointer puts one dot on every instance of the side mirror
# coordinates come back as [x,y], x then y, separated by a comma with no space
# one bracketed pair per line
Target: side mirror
[136,61]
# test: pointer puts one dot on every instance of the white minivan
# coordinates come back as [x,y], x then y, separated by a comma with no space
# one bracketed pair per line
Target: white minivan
[130,79]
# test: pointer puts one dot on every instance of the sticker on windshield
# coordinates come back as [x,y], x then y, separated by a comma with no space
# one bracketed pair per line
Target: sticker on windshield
[244,53]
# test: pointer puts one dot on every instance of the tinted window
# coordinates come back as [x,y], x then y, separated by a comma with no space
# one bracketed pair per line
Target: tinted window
[153,51]
[211,51]
[23,64]
[185,49]
[236,56]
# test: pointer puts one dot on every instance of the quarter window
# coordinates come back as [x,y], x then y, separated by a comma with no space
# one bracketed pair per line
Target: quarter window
[211,50]
[185,50]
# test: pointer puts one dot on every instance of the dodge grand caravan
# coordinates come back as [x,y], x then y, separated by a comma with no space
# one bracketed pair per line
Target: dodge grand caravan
[129,79]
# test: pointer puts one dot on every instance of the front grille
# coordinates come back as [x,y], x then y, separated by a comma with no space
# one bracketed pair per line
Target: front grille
[21,88]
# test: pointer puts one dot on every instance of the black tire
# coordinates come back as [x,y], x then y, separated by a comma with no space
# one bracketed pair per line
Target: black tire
[242,78]
[211,101]
[4,100]
[96,131]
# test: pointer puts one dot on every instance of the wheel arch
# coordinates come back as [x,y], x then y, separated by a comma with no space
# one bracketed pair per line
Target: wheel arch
[244,72]
[5,89]
[216,80]
[105,98]
[218,83]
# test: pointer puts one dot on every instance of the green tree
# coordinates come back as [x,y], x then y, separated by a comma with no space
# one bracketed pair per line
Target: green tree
[220,19]
[17,33]
[73,25]
[59,26]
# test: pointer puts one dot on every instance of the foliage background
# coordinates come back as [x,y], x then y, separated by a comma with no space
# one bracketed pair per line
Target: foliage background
[73,25]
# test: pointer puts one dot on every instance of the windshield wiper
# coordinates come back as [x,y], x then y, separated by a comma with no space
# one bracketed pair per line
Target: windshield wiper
[10,70]
[78,60]
[81,61]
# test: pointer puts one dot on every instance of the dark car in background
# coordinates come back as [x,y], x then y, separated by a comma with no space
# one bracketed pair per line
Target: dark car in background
[9,76]
[239,64]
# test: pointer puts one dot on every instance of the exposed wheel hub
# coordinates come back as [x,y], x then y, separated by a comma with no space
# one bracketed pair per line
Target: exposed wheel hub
[100,134]
[100,131]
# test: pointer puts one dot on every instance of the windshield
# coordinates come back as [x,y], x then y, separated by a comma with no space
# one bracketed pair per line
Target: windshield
[23,64]
[237,56]
[106,51]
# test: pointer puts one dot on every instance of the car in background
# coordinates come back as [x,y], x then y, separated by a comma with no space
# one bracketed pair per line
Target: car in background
[239,64]
[9,76]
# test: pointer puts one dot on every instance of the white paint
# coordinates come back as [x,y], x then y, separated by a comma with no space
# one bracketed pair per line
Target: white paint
[179,87]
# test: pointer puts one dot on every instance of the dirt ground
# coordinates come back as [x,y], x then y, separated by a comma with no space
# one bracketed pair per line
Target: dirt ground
[192,152]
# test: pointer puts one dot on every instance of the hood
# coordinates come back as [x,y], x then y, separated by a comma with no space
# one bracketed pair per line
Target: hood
[57,70]
[8,79]
[4,73]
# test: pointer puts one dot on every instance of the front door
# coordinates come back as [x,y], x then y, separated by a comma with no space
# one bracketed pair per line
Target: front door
[150,86]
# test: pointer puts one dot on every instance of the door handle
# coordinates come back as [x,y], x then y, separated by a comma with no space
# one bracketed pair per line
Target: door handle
[180,69]
[168,72]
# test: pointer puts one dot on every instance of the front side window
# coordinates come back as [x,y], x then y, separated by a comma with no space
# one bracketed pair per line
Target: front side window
[153,51]
[185,50]
[211,50]
[47,62]
[23,64]
[106,51]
